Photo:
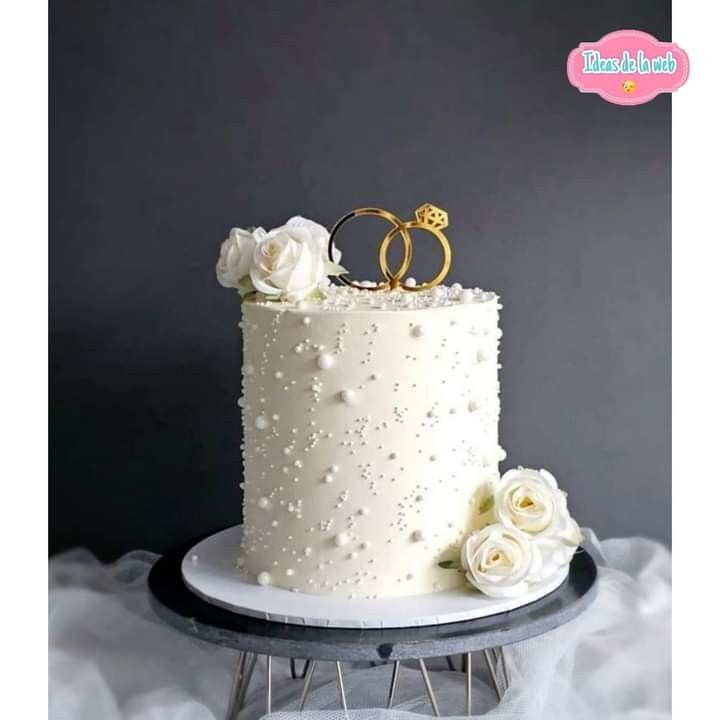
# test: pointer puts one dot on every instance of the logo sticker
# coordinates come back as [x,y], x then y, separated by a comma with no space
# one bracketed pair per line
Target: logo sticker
[627,67]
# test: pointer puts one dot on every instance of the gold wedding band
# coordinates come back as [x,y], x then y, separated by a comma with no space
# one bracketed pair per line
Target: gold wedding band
[396,223]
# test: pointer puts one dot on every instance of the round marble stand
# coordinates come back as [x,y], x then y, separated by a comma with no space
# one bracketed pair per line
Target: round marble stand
[190,614]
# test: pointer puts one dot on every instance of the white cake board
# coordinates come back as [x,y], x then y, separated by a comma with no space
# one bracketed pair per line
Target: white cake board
[209,570]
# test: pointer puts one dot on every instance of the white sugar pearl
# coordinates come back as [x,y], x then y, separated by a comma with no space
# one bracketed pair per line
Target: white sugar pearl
[473,406]
[342,539]
[248,369]
[328,478]
[261,422]
[264,578]
[349,397]
[306,320]
[308,551]
[375,376]
[289,572]
[466,296]
[411,282]
[325,361]
[279,375]
[334,468]
[263,503]
[365,545]
[241,402]
[417,536]
[418,331]
[364,511]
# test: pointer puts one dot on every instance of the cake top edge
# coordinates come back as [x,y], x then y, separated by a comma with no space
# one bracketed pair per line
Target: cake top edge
[340,298]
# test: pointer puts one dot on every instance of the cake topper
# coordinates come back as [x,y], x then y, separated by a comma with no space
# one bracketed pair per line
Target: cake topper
[427,217]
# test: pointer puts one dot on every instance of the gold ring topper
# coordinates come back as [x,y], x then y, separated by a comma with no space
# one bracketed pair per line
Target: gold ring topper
[427,217]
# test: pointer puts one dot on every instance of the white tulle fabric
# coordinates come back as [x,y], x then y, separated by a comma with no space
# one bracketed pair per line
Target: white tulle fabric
[112,658]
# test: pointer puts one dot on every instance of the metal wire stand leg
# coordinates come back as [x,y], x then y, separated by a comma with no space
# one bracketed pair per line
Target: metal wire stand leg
[239,693]
[238,676]
[490,662]
[268,683]
[393,683]
[501,669]
[341,686]
[428,687]
[502,664]
[306,686]
[468,683]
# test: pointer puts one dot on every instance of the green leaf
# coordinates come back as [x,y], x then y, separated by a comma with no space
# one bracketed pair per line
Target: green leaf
[245,286]
[332,268]
[453,564]
[487,504]
[317,294]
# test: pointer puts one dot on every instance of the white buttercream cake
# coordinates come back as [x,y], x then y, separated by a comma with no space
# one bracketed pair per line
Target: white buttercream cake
[370,436]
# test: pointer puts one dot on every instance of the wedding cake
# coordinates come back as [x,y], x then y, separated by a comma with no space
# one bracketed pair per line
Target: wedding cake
[370,419]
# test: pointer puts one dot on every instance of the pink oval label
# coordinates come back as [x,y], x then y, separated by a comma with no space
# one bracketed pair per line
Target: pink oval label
[627,67]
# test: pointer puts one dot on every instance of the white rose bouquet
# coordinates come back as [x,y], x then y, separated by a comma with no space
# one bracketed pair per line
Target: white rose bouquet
[529,538]
[289,262]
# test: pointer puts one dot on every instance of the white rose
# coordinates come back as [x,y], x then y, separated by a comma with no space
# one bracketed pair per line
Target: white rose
[236,256]
[531,501]
[288,263]
[500,561]
[555,555]
[319,233]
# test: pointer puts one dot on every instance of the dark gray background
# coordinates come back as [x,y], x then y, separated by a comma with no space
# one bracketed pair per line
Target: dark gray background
[173,121]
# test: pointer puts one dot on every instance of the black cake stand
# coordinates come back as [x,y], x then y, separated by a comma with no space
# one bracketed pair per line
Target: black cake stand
[192,615]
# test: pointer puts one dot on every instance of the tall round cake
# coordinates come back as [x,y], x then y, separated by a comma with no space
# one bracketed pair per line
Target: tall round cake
[370,415]
[370,436]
